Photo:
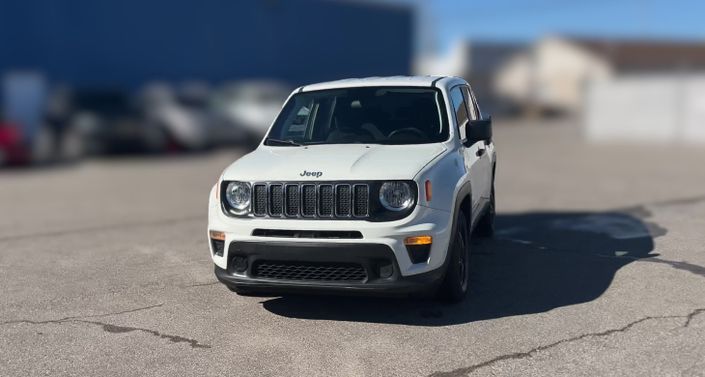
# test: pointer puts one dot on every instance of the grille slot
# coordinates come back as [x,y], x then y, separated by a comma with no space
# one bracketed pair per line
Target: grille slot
[309,271]
[343,200]
[292,200]
[259,205]
[311,200]
[361,199]
[308,197]
[326,200]
[276,202]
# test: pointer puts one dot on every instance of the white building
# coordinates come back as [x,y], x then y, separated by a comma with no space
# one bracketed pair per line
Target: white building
[550,75]
[554,73]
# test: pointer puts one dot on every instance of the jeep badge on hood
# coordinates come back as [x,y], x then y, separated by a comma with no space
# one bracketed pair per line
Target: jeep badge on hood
[311,173]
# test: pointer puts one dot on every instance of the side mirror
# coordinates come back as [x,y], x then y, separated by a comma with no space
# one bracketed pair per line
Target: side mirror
[478,130]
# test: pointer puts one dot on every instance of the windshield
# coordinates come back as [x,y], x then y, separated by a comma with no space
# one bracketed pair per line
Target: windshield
[372,115]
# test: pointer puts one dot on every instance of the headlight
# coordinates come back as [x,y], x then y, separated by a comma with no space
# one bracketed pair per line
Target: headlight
[396,196]
[238,196]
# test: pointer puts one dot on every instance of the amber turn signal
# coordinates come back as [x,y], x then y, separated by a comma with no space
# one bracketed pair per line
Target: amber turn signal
[216,235]
[429,192]
[418,240]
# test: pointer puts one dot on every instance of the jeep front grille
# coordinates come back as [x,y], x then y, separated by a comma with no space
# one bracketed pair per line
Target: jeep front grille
[311,200]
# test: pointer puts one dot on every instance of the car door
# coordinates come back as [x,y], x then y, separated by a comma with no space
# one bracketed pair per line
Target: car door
[470,153]
[483,149]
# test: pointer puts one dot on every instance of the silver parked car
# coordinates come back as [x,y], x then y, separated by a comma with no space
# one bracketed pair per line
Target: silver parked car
[245,110]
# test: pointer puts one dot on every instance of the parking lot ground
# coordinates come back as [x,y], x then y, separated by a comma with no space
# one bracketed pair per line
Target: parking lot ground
[598,268]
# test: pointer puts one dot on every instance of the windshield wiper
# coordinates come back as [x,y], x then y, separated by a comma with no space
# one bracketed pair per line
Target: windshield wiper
[282,142]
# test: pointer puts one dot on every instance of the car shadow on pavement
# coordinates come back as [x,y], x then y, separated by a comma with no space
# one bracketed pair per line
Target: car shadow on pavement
[537,261]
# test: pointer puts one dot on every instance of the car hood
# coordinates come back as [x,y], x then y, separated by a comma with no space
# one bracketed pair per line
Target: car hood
[334,162]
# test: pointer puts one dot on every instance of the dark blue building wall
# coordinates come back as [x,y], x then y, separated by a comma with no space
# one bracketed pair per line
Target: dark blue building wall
[127,43]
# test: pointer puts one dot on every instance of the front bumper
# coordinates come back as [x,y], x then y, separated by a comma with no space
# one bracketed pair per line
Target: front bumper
[320,266]
[379,240]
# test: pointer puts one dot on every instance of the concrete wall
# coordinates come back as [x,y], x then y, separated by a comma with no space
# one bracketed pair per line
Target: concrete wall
[646,108]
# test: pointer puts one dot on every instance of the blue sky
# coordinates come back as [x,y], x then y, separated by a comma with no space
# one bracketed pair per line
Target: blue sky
[448,20]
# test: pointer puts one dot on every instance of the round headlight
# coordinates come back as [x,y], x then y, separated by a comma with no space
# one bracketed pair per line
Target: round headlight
[238,196]
[396,196]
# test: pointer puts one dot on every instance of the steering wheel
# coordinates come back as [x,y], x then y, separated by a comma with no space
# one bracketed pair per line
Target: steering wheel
[408,130]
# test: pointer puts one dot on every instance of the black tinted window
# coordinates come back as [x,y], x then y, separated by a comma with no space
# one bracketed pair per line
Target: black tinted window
[375,115]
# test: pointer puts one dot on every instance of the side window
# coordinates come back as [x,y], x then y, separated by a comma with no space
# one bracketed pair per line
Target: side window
[460,110]
[476,105]
[474,115]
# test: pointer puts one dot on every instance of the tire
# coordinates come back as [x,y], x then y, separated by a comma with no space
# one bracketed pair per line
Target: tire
[457,275]
[485,227]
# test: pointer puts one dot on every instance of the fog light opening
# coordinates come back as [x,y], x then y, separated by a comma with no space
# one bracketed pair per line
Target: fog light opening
[218,247]
[419,248]
[239,263]
[386,270]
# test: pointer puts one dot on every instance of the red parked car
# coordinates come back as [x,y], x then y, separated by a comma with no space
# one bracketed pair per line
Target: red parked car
[12,149]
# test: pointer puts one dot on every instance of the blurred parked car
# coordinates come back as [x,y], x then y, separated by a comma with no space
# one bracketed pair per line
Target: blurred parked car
[58,139]
[245,110]
[111,123]
[12,150]
[54,139]
[182,115]
[35,127]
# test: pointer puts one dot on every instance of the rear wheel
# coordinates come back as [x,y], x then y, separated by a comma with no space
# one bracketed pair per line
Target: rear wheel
[455,283]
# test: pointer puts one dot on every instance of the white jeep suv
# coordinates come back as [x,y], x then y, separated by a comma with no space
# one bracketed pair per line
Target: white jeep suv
[361,185]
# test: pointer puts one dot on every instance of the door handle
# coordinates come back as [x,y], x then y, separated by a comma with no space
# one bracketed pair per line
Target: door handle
[480,152]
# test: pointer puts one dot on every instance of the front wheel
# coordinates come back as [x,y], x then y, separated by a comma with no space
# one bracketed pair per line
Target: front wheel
[455,283]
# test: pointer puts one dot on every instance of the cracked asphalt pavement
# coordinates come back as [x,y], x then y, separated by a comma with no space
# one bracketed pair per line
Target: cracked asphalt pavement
[598,268]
